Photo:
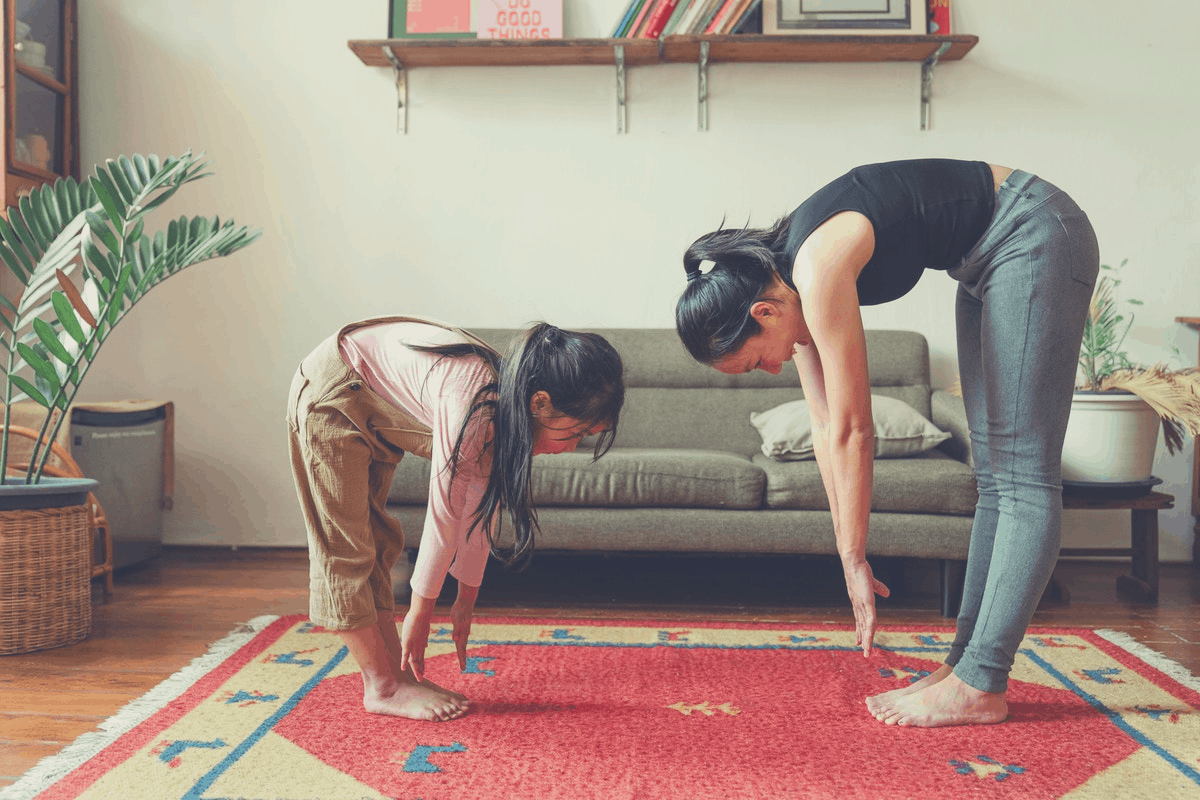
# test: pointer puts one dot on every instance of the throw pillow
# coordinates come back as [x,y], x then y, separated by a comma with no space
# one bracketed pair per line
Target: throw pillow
[899,430]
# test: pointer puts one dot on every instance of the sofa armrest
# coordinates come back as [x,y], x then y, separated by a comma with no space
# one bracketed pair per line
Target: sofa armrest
[950,415]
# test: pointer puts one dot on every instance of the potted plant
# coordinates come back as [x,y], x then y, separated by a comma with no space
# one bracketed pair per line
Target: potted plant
[1119,405]
[83,259]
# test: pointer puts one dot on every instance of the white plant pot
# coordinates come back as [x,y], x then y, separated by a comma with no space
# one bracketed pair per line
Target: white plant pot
[1111,438]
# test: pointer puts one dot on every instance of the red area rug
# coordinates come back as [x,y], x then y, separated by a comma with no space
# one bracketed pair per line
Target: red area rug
[615,710]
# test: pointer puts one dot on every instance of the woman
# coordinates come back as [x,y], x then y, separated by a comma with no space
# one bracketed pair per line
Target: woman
[383,387]
[1025,258]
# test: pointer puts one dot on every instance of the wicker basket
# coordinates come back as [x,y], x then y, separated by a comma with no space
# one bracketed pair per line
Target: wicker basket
[45,578]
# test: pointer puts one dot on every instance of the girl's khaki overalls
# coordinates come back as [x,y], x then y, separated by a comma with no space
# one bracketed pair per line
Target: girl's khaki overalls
[346,441]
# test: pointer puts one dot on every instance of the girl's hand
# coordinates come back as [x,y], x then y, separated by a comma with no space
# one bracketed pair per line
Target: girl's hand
[414,636]
[862,587]
[460,614]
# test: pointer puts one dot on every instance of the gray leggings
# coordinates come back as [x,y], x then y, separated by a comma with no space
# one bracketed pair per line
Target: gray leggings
[1023,296]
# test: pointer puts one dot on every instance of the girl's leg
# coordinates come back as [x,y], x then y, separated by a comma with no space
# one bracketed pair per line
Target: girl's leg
[332,466]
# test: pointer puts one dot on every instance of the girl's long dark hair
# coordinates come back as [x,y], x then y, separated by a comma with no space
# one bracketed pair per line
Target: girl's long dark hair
[580,371]
[712,315]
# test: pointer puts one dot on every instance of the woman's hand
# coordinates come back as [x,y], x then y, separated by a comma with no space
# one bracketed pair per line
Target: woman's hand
[414,636]
[862,587]
[460,614]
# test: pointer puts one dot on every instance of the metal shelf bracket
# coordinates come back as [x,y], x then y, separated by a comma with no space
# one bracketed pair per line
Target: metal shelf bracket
[401,90]
[702,90]
[927,68]
[622,105]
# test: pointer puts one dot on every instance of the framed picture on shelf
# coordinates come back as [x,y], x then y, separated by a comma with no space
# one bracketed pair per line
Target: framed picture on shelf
[845,17]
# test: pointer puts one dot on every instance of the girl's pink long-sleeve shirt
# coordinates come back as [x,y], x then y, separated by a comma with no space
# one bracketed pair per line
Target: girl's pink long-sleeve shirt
[437,392]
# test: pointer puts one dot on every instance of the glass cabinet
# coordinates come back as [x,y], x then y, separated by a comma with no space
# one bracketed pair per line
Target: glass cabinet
[41,124]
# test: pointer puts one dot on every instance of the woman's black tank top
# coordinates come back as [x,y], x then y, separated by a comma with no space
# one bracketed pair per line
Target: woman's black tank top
[926,213]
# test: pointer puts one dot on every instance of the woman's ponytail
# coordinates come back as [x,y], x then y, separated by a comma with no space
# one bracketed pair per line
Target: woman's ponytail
[712,315]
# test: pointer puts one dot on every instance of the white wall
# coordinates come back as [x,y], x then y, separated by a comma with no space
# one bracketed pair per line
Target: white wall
[512,198]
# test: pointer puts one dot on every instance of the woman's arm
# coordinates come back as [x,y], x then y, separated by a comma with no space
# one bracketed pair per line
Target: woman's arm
[833,373]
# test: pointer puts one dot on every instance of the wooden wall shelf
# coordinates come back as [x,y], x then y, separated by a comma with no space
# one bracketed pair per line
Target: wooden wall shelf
[403,54]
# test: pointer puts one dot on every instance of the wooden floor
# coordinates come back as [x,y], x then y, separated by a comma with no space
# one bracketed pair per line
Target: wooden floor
[166,611]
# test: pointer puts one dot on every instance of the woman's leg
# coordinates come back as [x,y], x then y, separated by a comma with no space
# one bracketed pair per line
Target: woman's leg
[969,318]
[1034,294]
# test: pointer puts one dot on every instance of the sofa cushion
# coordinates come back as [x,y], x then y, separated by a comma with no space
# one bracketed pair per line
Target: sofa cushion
[633,477]
[624,477]
[900,431]
[931,483]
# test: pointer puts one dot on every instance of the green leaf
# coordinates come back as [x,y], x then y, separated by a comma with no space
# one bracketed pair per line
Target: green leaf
[67,316]
[34,215]
[49,203]
[131,174]
[112,206]
[118,178]
[39,364]
[14,264]
[50,340]
[15,245]
[117,301]
[100,227]
[26,387]
[134,235]
[143,168]
[22,226]
[98,261]
[62,191]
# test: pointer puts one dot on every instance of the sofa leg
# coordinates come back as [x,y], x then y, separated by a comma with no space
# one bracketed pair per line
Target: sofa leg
[953,575]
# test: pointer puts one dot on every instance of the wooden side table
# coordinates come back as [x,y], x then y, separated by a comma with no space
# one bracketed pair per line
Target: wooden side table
[1194,324]
[1142,580]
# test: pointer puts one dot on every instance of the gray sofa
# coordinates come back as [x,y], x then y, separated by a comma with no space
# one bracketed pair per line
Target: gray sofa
[687,475]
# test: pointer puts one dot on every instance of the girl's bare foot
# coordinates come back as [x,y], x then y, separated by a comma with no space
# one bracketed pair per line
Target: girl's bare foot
[881,703]
[453,695]
[407,698]
[947,702]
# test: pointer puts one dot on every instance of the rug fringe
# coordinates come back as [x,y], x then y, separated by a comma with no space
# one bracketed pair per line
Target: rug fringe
[56,767]
[1172,669]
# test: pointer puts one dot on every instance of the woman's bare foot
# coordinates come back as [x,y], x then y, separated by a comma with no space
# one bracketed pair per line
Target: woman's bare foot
[407,698]
[947,702]
[880,703]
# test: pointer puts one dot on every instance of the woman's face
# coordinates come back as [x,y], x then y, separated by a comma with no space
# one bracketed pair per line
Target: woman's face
[783,328]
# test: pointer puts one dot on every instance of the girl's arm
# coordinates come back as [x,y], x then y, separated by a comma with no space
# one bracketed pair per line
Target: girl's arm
[833,373]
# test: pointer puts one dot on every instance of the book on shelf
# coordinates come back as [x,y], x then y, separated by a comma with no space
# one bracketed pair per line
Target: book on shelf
[939,17]
[430,19]
[689,24]
[681,8]
[732,19]
[706,16]
[657,19]
[725,9]
[640,20]
[527,19]
[751,21]
[631,11]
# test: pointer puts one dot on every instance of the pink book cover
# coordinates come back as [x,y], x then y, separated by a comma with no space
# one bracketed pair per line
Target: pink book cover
[438,16]
[520,19]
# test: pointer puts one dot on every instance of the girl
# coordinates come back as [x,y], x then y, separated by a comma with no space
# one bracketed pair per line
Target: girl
[383,387]
[1025,258]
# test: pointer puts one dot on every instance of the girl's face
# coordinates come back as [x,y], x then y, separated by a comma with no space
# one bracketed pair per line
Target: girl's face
[555,433]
